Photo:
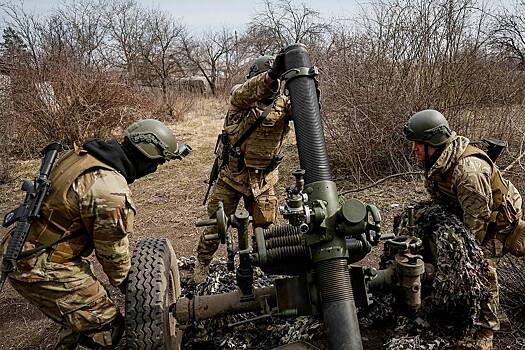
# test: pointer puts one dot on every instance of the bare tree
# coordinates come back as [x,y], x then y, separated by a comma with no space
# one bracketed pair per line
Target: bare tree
[74,31]
[410,55]
[125,23]
[211,55]
[283,22]
[161,50]
[27,27]
[508,34]
[82,30]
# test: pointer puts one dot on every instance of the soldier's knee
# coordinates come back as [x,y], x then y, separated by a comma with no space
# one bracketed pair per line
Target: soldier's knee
[89,310]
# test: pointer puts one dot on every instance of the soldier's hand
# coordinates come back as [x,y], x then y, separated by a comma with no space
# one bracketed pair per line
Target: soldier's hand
[277,67]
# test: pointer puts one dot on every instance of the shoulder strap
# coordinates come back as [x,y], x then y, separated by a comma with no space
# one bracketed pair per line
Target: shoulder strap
[476,152]
[254,126]
[31,252]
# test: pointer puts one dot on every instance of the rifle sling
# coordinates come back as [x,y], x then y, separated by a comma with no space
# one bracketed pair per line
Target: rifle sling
[253,127]
[31,252]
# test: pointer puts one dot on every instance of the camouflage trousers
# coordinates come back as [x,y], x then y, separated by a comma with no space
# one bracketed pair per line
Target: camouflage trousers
[89,318]
[490,313]
[262,208]
[490,310]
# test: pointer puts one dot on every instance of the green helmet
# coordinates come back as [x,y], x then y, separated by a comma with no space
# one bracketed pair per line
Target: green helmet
[261,65]
[153,139]
[428,126]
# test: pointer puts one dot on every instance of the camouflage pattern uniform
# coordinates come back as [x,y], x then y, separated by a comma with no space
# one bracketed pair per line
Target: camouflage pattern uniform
[92,201]
[247,176]
[490,206]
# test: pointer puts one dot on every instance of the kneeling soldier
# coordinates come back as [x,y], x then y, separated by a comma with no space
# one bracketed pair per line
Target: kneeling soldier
[89,208]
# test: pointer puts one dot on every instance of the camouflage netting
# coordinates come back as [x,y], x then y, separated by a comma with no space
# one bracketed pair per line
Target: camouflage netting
[451,304]
[450,307]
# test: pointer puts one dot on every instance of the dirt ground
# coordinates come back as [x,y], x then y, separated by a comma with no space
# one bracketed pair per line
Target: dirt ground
[169,202]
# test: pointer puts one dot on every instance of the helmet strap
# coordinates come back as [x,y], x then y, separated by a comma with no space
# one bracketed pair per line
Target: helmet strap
[430,160]
[427,158]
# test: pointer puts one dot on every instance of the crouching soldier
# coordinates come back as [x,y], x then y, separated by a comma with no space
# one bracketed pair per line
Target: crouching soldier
[89,209]
[490,206]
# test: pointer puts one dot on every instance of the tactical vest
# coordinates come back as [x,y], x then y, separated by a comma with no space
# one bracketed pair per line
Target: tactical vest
[60,214]
[266,141]
[500,190]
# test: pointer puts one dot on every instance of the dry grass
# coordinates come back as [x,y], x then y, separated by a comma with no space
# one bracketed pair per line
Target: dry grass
[168,203]
[71,104]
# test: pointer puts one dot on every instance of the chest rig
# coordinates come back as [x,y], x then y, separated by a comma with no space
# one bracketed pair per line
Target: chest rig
[60,220]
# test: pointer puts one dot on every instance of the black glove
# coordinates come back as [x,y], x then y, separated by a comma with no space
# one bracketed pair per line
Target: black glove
[277,68]
[123,286]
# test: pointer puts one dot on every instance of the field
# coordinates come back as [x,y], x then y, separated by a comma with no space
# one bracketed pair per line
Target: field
[169,202]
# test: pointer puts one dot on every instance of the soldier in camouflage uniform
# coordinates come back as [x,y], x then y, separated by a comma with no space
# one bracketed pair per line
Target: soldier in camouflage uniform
[252,171]
[89,200]
[459,173]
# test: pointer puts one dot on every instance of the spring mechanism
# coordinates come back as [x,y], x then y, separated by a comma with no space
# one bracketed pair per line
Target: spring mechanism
[278,254]
[280,231]
[292,240]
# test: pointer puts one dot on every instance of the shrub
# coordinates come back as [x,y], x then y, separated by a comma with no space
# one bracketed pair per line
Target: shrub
[68,105]
[405,59]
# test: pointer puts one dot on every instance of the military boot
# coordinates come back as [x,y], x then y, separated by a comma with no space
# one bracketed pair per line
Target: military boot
[481,340]
[200,273]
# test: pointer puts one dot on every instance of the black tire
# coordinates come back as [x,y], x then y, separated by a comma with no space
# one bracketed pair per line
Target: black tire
[153,286]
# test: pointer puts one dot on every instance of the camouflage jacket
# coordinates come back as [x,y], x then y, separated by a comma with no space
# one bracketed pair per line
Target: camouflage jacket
[247,174]
[472,184]
[96,207]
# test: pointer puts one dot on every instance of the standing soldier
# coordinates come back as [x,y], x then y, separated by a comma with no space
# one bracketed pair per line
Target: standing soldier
[254,129]
[89,208]
[459,173]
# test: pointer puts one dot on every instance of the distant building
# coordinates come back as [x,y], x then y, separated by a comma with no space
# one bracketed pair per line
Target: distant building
[195,83]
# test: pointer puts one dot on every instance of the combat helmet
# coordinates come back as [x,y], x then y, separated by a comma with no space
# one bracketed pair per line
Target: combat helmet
[261,65]
[153,139]
[428,126]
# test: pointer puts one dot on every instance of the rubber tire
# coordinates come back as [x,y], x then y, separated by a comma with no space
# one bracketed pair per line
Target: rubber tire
[153,286]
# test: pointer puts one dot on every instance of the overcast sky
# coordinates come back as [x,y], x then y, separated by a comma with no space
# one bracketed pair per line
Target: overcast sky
[200,15]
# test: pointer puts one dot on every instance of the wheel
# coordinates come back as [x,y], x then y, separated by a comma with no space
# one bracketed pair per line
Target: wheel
[153,286]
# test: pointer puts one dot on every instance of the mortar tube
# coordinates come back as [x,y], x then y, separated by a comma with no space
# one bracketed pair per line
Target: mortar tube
[307,118]
[205,307]
[329,258]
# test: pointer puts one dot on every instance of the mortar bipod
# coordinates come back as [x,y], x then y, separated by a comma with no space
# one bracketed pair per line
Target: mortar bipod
[240,220]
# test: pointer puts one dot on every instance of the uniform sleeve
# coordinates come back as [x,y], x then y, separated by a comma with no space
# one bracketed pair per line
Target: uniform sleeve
[430,189]
[108,214]
[252,91]
[472,181]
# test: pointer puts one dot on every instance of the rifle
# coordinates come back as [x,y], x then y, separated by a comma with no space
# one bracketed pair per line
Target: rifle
[36,191]
[222,153]
[493,147]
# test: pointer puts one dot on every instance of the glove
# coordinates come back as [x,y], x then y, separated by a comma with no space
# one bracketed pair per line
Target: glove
[123,286]
[277,68]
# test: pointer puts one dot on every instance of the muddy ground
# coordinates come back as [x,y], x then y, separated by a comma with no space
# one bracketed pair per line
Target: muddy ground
[169,202]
